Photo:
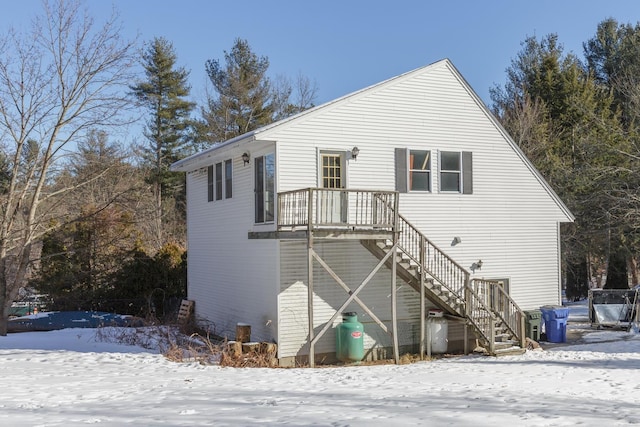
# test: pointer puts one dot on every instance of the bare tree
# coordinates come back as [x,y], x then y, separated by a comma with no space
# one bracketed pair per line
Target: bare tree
[58,80]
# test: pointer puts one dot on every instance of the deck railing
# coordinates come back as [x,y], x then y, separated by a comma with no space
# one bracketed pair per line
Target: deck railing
[320,207]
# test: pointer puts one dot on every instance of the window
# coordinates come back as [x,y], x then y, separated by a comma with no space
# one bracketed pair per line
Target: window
[264,180]
[413,171]
[331,171]
[218,181]
[210,183]
[450,171]
[456,172]
[219,178]
[419,170]
[228,179]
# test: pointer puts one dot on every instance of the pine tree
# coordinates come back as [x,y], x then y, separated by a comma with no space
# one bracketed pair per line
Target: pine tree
[164,93]
[567,124]
[245,99]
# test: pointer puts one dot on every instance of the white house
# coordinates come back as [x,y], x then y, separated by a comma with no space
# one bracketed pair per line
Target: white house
[293,223]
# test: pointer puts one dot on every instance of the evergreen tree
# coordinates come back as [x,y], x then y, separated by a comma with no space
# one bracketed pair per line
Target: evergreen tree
[245,98]
[613,56]
[89,245]
[565,121]
[164,93]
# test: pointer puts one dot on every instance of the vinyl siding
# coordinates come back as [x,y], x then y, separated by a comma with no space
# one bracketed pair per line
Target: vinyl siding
[352,263]
[232,278]
[509,222]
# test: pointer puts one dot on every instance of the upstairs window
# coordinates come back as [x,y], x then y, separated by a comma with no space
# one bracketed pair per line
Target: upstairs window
[450,171]
[456,172]
[265,188]
[210,183]
[419,170]
[220,181]
[414,172]
[228,179]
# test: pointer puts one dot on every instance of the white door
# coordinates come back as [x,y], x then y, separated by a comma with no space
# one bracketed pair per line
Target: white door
[332,204]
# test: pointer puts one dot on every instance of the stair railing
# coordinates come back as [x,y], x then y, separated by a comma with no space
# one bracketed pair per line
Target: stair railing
[495,297]
[442,268]
[481,317]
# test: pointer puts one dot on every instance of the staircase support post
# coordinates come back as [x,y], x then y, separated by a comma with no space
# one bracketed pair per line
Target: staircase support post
[523,338]
[312,346]
[422,301]
[467,312]
[394,297]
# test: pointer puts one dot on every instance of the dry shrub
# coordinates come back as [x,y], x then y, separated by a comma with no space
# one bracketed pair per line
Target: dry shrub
[262,355]
[177,346]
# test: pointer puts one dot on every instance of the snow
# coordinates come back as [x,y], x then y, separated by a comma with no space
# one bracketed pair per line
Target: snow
[71,378]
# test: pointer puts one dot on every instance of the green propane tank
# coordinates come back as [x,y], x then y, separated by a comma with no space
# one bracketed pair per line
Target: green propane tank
[350,338]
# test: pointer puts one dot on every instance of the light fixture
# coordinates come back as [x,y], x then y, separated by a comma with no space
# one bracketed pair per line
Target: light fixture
[476,266]
[456,241]
[354,153]
[245,158]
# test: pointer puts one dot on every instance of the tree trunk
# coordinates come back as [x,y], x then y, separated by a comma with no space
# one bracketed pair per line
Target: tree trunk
[4,301]
[617,273]
[577,280]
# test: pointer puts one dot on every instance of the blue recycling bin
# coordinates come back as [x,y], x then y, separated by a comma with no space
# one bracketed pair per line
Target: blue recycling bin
[555,322]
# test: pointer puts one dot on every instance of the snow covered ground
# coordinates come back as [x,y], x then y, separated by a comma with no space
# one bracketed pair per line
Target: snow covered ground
[68,378]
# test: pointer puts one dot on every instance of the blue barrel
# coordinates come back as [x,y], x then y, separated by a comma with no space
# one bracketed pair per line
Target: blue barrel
[555,322]
[350,338]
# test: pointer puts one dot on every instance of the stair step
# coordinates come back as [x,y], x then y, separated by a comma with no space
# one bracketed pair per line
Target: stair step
[450,301]
[510,351]
[503,337]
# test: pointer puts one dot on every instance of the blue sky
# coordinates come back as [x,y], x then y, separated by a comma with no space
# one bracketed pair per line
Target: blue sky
[347,45]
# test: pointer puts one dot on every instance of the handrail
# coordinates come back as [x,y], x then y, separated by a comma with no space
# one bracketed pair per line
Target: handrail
[500,303]
[438,264]
[481,316]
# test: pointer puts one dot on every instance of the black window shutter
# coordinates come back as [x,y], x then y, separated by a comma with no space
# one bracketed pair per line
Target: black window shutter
[467,172]
[401,170]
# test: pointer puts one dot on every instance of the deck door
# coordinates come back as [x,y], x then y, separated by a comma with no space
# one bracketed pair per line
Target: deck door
[332,204]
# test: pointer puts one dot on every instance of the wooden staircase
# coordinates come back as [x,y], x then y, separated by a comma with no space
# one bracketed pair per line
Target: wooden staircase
[372,217]
[495,318]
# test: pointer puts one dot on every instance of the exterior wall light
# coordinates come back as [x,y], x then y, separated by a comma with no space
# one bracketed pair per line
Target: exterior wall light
[245,158]
[354,153]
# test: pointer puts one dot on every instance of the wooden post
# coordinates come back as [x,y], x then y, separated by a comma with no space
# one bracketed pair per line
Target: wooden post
[467,312]
[429,337]
[243,332]
[312,349]
[422,302]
